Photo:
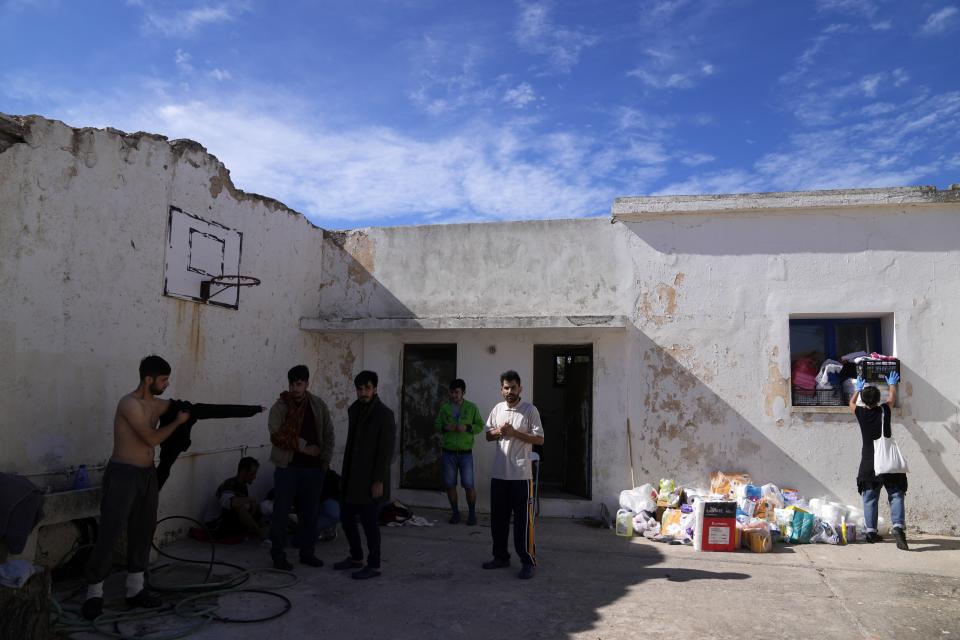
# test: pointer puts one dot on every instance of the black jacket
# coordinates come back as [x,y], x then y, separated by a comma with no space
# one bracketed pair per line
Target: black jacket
[179,440]
[369,451]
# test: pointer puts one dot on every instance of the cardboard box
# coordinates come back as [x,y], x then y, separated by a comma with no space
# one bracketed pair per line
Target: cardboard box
[715,528]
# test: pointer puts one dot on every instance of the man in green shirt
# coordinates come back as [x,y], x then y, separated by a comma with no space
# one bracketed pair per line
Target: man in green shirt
[458,422]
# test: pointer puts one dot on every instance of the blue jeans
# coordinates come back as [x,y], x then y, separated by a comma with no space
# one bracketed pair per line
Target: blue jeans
[298,486]
[329,514]
[451,463]
[871,499]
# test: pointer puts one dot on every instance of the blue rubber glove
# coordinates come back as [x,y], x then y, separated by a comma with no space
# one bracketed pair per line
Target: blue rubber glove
[860,383]
[893,378]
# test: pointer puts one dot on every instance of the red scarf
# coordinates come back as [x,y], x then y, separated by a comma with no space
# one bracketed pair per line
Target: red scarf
[288,437]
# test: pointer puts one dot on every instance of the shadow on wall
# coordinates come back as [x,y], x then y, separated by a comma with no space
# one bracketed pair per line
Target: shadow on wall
[923,403]
[348,289]
[685,430]
[785,233]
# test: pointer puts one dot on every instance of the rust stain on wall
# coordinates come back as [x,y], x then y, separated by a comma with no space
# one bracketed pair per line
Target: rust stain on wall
[347,361]
[776,385]
[196,335]
[660,308]
[667,296]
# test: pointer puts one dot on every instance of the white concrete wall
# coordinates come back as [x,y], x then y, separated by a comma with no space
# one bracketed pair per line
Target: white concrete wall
[703,372]
[82,235]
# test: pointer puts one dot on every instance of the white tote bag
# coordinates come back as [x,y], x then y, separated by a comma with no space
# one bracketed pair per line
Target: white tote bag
[886,454]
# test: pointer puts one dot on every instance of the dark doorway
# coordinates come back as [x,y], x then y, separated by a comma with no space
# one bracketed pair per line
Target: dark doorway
[427,371]
[563,393]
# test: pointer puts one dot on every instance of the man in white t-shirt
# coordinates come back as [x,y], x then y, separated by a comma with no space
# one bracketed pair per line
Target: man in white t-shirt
[515,426]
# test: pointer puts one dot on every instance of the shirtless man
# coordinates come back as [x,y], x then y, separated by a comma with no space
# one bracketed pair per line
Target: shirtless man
[130,487]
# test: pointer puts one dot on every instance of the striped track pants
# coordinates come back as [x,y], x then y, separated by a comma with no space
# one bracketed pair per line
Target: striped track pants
[512,497]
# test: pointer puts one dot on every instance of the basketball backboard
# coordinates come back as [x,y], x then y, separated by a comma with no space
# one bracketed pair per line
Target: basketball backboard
[198,250]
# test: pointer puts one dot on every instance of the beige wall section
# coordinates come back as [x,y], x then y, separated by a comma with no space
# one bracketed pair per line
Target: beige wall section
[82,237]
[703,370]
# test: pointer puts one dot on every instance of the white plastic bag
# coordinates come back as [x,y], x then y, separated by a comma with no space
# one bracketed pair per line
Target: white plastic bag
[643,498]
[887,457]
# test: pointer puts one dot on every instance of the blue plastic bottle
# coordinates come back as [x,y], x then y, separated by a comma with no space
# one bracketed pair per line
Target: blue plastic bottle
[80,478]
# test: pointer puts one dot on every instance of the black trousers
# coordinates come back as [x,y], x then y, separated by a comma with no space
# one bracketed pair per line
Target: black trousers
[369,516]
[512,498]
[129,499]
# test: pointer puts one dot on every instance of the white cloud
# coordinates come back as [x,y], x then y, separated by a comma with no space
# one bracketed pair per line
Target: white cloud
[536,32]
[900,77]
[878,109]
[275,146]
[883,25]
[628,118]
[520,96]
[881,150]
[220,74]
[697,159]
[858,7]
[940,21]
[182,59]
[185,21]
[448,79]
[869,84]
[731,181]
[666,71]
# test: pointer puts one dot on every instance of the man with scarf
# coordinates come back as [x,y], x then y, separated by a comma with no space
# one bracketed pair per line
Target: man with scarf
[302,436]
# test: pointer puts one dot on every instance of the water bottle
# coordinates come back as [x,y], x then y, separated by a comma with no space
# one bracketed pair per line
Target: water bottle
[624,523]
[80,478]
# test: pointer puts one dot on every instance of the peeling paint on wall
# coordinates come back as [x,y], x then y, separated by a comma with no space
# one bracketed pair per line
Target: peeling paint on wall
[776,389]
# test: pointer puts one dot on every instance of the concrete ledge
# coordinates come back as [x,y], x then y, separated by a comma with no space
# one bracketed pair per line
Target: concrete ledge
[897,411]
[59,507]
[630,209]
[462,322]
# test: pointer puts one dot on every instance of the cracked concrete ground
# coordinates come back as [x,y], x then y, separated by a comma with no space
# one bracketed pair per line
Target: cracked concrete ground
[592,584]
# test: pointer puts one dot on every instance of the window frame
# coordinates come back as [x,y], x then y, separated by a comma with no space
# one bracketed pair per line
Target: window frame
[830,332]
[829,326]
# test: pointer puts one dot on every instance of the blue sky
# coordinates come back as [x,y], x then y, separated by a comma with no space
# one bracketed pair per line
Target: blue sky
[368,112]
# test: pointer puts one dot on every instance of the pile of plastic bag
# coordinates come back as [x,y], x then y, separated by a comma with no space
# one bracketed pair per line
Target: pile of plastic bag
[765,514]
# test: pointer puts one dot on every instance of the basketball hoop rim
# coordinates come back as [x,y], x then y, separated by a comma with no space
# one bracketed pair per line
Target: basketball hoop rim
[234,281]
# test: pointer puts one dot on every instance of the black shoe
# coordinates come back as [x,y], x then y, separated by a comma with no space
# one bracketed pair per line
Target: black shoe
[365,574]
[455,518]
[282,564]
[471,520]
[496,563]
[349,563]
[901,537]
[526,572]
[92,608]
[873,536]
[311,561]
[144,600]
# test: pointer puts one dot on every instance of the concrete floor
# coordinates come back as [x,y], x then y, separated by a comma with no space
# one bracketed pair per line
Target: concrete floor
[592,584]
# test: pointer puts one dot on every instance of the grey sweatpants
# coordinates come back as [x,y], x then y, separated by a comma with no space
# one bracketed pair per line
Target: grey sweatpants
[130,499]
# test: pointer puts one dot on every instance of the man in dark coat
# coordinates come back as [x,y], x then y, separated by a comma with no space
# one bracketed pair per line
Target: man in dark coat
[366,475]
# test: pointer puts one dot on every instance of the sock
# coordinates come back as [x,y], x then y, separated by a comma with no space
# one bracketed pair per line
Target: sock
[473,509]
[95,590]
[454,505]
[134,583]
